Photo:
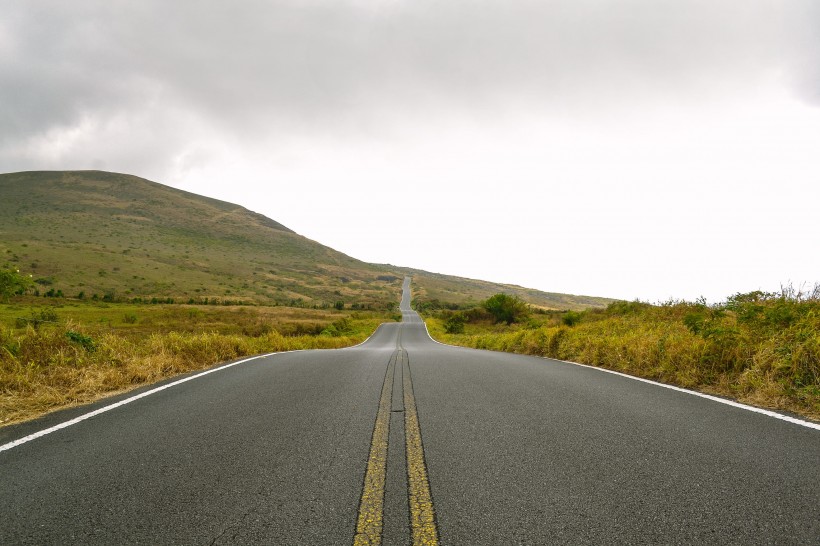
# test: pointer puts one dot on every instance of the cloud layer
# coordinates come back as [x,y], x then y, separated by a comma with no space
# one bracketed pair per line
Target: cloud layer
[569,107]
[251,69]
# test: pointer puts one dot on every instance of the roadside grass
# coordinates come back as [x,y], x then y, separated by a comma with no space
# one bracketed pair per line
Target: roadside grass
[52,357]
[760,349]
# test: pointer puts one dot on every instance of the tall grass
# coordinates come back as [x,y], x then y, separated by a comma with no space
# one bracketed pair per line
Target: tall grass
[759,348]
[57,365]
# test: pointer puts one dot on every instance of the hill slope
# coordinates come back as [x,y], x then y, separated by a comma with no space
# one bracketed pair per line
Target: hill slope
[447,288]
[100,233]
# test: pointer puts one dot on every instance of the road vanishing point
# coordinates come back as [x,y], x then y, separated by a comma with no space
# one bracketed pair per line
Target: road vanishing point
[402,440]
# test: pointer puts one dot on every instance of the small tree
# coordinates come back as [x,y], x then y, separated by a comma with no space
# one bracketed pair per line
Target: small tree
[12,283]
[506,308]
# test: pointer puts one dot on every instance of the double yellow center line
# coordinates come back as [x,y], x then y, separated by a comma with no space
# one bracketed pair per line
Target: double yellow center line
[371,508]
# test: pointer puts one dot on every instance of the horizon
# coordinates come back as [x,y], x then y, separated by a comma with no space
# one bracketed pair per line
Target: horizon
[644,151]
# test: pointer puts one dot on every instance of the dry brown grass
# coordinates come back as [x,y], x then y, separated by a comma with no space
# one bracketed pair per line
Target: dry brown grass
[43,369]
[759,349]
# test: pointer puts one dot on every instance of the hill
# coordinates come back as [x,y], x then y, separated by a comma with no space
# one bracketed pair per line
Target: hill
[117,236]
[447,288]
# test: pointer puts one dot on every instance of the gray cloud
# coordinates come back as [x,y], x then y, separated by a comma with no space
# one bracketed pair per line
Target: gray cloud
[617,128]
[804,58]
[261,68]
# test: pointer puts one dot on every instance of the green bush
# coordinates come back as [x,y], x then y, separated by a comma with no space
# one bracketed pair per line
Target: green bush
[36,319]
[571,318]
[506,308]
[626,307]
[341,327]
[13,283]
[84,340]
[454,324]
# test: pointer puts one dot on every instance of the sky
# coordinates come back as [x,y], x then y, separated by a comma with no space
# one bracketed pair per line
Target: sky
[650,149]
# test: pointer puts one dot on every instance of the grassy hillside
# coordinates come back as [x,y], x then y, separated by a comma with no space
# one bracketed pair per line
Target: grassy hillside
[125,264]
[121,237]
[465,292]
[103,233]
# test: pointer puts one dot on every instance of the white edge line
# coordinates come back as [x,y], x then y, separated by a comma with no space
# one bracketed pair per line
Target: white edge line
[768,413]
[94,413]
[368,337]
[436,341]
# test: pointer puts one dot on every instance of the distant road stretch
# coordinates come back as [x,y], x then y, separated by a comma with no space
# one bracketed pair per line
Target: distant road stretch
[402,440]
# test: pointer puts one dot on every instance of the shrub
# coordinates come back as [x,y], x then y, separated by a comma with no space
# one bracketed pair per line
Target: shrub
[84,340]
[477,314]
[626,307]
[506,308]
[455,323]
[36,319]
[571,318]
[339,328]
[12,283]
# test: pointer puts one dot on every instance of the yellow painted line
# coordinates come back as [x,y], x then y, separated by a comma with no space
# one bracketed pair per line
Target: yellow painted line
[371,507]
[422,516]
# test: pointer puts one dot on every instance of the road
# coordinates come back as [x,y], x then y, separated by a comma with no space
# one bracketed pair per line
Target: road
[404,439]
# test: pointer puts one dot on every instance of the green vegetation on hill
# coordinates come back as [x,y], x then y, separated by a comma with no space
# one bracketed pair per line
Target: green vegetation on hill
[118,237]
[104,234]
[109,281]
[759,348]
[443,291]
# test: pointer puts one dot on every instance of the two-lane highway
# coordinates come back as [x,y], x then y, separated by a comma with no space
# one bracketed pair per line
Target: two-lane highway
[405,440]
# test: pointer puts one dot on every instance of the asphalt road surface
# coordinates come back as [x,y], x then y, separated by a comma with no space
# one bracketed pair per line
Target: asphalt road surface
[407,441]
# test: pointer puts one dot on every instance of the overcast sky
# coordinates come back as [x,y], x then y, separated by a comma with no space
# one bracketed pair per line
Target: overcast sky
[633,149]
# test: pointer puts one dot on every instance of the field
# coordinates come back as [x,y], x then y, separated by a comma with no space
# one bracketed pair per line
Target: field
[758,348]
[58,353]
